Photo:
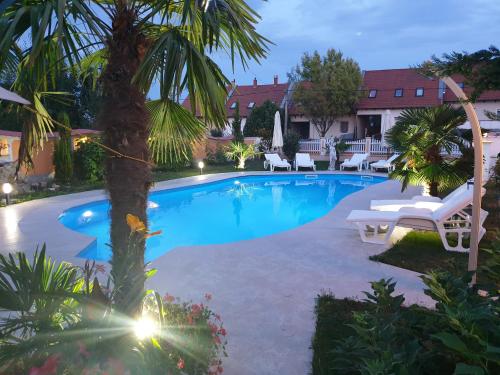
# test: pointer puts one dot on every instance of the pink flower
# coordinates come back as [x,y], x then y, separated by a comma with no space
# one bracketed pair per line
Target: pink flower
[190,319]
[213,328]
[222,331]
[208,296]
[82,350]
[180,364]
[168,298]
[48,368]
[220,370]
[217,316]
[196,309]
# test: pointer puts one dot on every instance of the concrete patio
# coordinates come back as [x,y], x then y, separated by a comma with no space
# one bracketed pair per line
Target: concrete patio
[263,288]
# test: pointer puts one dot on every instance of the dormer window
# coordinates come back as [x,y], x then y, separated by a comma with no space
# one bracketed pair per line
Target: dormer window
[461,85]
[419,91]
[372,93]
[398,93]
[233,106]
[251,105]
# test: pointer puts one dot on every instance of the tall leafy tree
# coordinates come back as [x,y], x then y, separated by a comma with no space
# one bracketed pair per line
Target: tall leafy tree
[420,135]
[481,69]
[260,121]
[129,45]
[328,87]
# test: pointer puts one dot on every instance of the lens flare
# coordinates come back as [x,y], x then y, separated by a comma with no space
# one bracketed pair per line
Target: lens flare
[145,327]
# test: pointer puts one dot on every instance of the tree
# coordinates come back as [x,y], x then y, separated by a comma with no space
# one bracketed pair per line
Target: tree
[260,122]
[327,87]
[419,135]
[237,133]
[128,45]
[63,161]
[481,69]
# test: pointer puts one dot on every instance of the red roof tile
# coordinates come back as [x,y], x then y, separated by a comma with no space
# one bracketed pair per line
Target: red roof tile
[387,81]
[246,94]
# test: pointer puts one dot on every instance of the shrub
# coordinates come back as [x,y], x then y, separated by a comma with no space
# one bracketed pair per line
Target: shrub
[291,145]
[216,157]
[61,321]
[216,132]
[461,336]
[63,163]
[89,162]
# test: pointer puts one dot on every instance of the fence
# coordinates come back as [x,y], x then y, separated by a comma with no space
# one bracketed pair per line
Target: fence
[374,147]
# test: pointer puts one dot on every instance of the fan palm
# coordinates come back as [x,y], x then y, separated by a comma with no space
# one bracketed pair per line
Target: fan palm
[420,135]
[130,45]
[240,152]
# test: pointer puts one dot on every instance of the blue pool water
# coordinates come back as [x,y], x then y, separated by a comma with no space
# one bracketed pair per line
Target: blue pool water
[225,211]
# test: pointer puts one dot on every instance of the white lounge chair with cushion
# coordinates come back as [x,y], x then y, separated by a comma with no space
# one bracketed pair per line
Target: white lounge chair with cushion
[274,161]
[356,161]
[449,220]
[418,201]
[384,164]
[304,160]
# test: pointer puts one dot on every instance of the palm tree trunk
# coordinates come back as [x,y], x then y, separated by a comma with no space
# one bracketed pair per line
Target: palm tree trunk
[433,156]
[124,120]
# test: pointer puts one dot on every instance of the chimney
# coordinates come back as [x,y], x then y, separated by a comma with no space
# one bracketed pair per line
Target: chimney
[276,80]
[255,83]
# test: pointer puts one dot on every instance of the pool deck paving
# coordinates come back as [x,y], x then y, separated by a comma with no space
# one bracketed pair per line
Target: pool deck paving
[263,288]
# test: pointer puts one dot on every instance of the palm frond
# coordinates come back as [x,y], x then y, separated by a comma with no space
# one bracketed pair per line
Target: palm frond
[173,131]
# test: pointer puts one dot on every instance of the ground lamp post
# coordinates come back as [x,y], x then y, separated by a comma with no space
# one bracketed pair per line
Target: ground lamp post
[7,189]
[201,165]
[478,171]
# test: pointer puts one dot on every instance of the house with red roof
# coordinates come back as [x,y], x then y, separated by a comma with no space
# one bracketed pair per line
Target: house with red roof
[249,97]
[386,93]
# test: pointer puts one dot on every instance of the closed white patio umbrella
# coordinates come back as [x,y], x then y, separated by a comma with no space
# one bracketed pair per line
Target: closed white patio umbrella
[387,123]
[12,97]
[277,134]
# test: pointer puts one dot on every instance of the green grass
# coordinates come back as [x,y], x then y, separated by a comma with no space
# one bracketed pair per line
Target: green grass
[423,252]
[332,319]
[158,175]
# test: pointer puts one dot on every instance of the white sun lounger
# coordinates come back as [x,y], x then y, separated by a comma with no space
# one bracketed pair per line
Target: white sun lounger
[274,161]
[450,219]
[384,164]
[304,160]
[356,161]
[418,201]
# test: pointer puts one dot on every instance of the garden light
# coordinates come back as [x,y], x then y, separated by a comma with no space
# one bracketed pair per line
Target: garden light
[7,189]
[145,327]
[201,165]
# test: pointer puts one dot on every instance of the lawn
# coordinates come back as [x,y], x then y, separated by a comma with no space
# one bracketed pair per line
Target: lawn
[158,175]
[332,319]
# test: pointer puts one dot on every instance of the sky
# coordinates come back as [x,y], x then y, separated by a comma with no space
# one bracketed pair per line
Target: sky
[378,34]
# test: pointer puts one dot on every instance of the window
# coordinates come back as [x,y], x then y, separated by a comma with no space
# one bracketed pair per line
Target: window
[419,91]
[398,93]
[233,106]
[4,148]
[372,93]
[498,113]
[251,105]
[344,126]
[460,84]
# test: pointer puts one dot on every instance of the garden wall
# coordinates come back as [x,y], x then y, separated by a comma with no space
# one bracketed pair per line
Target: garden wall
[211,144]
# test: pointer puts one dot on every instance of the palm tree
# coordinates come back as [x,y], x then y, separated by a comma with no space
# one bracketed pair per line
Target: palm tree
[420,135]
[129,45]
[240,152]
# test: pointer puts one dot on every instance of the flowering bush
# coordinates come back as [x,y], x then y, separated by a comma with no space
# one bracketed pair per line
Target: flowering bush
[61,321]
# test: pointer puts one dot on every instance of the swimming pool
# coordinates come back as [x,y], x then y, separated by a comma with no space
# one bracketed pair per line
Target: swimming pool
[225,211]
